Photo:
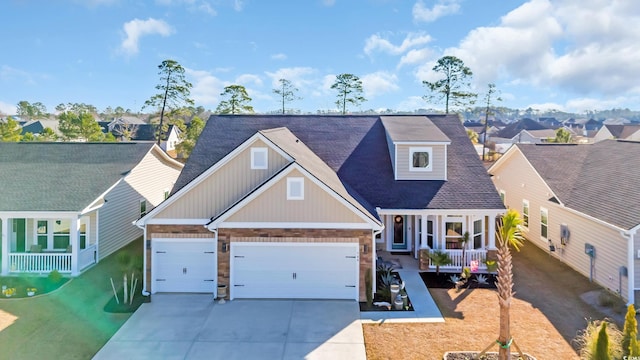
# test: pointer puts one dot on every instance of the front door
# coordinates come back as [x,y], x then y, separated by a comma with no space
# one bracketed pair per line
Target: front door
[18,227]
[399,233]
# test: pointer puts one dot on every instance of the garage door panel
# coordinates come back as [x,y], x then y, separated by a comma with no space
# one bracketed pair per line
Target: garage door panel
[184,265]
[294,270]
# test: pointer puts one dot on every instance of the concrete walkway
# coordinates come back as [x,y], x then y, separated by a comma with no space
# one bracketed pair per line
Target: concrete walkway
[184,326]
[425,309]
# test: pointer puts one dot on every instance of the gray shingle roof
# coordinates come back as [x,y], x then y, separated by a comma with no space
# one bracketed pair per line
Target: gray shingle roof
[355,148]
[407,129]
[597,179]
[62,176]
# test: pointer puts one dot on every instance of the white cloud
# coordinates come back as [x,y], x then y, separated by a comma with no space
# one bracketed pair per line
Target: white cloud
[7,109]
[378,43]
[546,106]
[415,56]
[136,28]
[246,79]
[279,56]
[206,87]
[578,48]
[440,9]
[238,5]
[378,83]
[302,78]
[328,2]
[207,8]
[412,103]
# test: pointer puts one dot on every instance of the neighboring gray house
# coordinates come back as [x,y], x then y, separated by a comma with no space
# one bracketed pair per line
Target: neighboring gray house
[622,132]
[582,200]
[66,206]
[299,206]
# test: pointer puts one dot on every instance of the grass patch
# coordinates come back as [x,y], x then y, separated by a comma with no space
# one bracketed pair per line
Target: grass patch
[20,286]
[69,323]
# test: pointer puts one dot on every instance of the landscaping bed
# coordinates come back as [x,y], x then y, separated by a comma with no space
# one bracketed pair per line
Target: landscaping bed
[382,299]
[15,287]
[444,281]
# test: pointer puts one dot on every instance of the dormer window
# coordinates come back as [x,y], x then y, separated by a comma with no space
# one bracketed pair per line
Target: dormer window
[259,159]
[420,158]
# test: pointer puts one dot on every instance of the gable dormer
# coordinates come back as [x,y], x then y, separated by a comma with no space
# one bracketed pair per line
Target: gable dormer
[417,147]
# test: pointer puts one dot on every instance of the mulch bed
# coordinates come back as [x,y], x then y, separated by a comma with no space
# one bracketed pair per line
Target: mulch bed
[442,281]
[377,298]
[489,356]
[114,307]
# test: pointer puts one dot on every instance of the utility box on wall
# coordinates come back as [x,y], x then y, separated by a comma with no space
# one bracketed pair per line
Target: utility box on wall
[590,250]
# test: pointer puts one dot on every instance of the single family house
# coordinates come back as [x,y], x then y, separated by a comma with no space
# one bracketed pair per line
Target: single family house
[284,206]
[66,206]
[580,203]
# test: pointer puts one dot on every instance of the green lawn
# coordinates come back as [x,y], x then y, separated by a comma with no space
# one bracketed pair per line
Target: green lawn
[69,323]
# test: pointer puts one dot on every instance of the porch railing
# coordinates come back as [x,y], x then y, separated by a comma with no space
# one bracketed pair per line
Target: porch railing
[87,257]
[40,263]
[458,262]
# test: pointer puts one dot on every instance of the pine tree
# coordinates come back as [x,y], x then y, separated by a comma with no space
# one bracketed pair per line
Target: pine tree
[602,344]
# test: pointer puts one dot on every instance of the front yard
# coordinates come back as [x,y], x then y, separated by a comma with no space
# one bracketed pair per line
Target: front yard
[545,316]
[69,323]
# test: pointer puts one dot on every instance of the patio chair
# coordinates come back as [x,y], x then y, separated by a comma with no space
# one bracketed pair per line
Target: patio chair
[36,248]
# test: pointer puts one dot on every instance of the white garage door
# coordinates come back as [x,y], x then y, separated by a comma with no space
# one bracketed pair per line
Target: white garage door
[294,270]
[184,265]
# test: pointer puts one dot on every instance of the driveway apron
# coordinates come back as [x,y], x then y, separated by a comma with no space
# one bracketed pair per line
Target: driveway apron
[186,326]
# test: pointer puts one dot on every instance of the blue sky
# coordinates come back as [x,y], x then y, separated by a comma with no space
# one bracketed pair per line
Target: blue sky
[570,55]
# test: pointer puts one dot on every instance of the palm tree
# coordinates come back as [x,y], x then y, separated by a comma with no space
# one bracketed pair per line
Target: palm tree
[508,235]
[439,258]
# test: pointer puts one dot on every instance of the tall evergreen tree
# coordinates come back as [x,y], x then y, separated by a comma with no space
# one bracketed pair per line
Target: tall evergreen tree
[237,101]
[453,88]
[349,88]
[287,92]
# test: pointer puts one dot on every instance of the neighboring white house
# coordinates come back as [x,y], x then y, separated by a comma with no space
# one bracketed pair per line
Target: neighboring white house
[583,202]
[66,206]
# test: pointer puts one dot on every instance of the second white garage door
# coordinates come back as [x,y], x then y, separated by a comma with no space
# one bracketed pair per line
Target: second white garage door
[294,270]
[184,265]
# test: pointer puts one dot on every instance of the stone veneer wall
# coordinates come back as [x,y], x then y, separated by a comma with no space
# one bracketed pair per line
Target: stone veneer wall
[363,237]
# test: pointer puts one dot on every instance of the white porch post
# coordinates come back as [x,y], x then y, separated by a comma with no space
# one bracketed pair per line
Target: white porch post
[492,232]
[423,233]
[5,245]
[74,240]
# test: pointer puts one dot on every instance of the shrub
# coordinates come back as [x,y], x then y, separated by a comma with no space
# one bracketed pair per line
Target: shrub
[605,298]
[630,332]
[54,277]
[601,351]
[587,340]
[368,285]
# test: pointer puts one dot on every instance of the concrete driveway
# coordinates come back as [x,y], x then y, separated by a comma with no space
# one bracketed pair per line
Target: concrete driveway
[185,326]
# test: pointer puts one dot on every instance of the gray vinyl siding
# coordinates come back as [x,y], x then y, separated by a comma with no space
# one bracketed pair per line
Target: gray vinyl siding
[317,206]
[224,187]
[519,180]
[438,170]
[146,181]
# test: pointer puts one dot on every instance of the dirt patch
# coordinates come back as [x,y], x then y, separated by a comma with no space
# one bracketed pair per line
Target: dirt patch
[546,314]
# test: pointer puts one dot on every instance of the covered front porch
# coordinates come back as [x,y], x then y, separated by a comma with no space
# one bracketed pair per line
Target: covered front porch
[417,233]
[39,243]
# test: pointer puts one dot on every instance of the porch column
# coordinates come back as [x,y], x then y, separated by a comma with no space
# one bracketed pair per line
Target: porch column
[423,233]
[4,222]
[492,232]
[74,240]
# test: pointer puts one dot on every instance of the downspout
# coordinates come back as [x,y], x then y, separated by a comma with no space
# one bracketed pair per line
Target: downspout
[374,285]
[146,245]
[630,236]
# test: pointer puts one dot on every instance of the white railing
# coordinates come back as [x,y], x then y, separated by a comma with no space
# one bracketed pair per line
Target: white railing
[457,262]
[40,262]
[87,257]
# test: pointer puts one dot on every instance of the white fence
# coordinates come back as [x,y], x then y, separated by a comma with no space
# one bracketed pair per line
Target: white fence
[40,262]
[87,257]
[458,262]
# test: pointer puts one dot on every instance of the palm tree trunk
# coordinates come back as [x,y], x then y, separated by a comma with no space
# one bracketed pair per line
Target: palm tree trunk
[504,284]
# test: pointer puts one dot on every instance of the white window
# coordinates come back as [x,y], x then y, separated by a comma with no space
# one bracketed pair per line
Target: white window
[295,188]
[477,234]
[525,213]
[259,158]
[143,207]
[544,223]
[420,159]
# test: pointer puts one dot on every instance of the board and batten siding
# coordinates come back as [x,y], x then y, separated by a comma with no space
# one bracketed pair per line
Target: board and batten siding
[224,187]
[148,180]
[317,206]
[520,182]
[403,163]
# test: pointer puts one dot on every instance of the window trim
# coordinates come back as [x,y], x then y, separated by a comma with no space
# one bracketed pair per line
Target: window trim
[262,151]
[143,207]
[526,215]
[428,150]
[290,182]
[475,234]
[503,196]
[543,224]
